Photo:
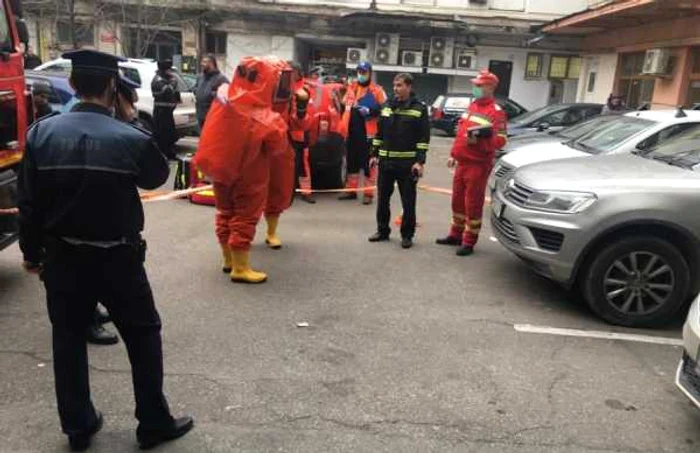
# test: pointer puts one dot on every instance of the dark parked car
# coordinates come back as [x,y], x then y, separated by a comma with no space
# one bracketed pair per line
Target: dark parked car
[61,91]
[553,117]
[448,108]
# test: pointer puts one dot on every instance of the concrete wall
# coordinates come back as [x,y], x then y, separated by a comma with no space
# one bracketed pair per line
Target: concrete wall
[604,66]
[242,45]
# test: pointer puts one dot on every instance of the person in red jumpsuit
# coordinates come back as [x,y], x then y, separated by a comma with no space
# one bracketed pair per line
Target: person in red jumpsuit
[241,138]
[283,162]
[481,132]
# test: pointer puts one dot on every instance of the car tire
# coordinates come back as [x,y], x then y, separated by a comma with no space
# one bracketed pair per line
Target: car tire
[619,276]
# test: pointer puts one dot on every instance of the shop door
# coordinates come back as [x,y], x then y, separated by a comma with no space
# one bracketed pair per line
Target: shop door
[504,71]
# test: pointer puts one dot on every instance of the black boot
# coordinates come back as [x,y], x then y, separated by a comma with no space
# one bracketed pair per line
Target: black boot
[309,199]
[465,250]
[97,334]
[367,200]
[81,442]
[150,439]
[406,243]
[449,240]
[348,196]
[101,315]
[378,237]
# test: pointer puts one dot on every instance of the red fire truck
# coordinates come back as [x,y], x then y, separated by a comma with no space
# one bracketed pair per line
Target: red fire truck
[15,113]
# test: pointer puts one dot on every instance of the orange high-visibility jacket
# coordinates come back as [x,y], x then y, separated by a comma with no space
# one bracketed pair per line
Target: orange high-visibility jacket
[354,97]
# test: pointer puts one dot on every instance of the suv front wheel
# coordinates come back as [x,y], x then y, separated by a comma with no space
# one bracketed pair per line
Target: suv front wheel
[637,281]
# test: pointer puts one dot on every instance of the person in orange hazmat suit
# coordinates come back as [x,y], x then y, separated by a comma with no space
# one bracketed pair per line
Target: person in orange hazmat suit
[283,162]
[243,134]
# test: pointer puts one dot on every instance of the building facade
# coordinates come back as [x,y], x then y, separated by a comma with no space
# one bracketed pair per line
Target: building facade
[443,42]
[647,51]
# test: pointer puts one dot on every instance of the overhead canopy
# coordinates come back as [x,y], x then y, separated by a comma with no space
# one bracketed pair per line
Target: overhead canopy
[622,14]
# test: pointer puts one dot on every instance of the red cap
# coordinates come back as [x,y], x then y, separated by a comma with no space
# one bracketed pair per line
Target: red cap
[485,77]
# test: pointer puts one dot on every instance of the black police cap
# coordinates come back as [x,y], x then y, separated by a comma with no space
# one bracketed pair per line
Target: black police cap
[94,61]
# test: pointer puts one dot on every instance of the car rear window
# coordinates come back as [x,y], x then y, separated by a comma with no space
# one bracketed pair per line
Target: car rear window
[617,131]
[458,103]
[132,74]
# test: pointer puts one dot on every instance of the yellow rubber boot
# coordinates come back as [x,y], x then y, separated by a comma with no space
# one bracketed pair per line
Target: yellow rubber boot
[271,239]
[227,265]
[241,272]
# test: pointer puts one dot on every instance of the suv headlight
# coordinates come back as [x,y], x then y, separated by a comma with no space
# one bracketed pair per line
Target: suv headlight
[561,202]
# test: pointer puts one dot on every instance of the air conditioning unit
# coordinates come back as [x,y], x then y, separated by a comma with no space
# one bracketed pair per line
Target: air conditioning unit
[386,49]
[466,60]
[441,52]
[355,55]
[411,58]
[656,62]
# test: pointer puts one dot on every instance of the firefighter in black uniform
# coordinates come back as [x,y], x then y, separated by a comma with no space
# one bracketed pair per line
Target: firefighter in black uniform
[80,228]
[399,149]
[166,97]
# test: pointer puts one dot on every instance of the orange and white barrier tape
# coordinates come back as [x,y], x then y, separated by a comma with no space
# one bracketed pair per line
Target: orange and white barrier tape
[343,190]
[173,195]
[9,211]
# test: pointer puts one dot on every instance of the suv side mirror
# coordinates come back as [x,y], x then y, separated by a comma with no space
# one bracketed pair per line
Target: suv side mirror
[543,127]
[22,31]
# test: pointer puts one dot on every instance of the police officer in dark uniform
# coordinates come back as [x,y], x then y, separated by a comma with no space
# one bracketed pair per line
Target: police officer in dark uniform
[399,149]
[80,224]
[166,97]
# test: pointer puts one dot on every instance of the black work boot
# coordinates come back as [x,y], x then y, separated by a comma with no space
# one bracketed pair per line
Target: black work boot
[465,250]
[101,315]
[150,439]
[406,243]
[378,237]
[81,442]
[348,196]
[309,199]
[97,334]
[449,240]
[367,201]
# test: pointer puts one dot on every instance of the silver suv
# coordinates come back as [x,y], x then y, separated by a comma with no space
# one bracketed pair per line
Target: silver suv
[623,229]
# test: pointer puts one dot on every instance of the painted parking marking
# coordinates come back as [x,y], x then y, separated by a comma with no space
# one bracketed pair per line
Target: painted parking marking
[601,335]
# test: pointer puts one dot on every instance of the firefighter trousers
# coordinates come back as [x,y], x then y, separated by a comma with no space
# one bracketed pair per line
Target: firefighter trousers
[389,174]
[358,162]
[468,192]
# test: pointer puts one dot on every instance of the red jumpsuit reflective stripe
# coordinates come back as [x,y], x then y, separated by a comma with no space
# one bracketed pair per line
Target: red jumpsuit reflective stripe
[474,163]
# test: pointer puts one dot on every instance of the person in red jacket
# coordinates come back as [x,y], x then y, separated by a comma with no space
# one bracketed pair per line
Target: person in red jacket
[481,132]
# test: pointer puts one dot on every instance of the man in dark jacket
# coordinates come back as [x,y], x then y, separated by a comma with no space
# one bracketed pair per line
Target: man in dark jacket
[40,99]
[205,89]
[165,98]
[80,223]
[399,148]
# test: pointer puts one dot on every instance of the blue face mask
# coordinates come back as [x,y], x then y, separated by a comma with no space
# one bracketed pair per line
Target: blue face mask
[362,78]
[478,92]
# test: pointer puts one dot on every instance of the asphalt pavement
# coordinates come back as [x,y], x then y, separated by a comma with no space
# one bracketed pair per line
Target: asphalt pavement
[405,350]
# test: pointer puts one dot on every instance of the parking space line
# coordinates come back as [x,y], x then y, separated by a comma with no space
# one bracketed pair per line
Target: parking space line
[527,328]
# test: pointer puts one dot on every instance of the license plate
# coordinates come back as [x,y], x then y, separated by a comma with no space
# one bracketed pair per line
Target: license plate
[498,208]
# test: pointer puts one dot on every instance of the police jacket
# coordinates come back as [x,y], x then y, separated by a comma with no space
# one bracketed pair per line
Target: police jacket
[164,89]
[78,180]
[404,131]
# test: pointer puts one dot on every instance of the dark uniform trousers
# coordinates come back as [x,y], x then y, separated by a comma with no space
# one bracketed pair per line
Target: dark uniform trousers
[76,277]
[390,173]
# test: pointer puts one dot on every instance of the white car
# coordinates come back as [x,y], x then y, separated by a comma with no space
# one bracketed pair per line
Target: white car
[143,72]
[688,374]
[635,131]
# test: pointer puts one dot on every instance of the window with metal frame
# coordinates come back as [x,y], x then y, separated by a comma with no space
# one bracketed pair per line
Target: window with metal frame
[534,65]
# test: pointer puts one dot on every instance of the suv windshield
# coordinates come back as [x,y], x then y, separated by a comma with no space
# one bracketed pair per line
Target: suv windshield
[458,102]
[529,117]
[682,150]
[606,138]
[583,128]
